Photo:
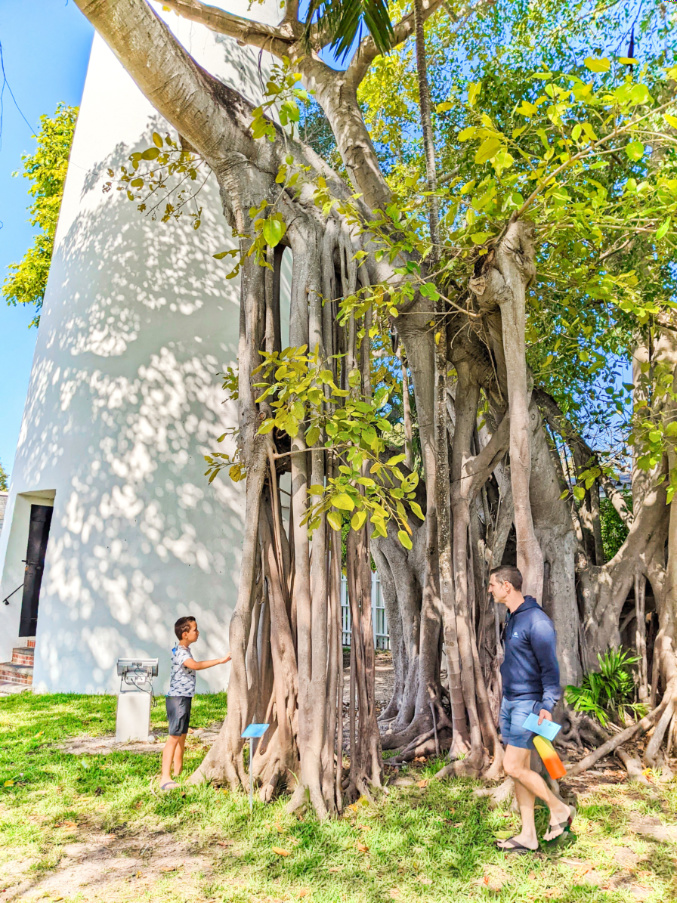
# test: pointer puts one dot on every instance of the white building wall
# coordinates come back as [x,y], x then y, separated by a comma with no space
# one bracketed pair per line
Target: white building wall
[124,401]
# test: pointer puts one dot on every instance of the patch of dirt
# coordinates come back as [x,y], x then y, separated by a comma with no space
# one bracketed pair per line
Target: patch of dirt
[105,864]
[585,873]
[651,826]
[626,858]
[103,745]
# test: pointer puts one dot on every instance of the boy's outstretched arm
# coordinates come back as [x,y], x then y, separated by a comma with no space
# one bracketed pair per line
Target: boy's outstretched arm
[200,666]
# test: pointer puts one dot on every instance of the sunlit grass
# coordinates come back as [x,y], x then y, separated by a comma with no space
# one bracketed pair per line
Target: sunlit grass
[430,841]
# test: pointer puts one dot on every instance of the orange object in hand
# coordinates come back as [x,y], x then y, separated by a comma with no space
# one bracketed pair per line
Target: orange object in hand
[551,760]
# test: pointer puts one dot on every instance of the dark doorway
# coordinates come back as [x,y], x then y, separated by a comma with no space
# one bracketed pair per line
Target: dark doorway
[38,533]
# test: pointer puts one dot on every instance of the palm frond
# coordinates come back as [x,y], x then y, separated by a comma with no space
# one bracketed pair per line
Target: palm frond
[344,20]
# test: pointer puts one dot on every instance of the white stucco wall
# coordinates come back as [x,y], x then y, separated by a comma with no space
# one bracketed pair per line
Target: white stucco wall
[124,401]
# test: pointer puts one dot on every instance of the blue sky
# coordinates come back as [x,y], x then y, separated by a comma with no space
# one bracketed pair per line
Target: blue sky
[45,47]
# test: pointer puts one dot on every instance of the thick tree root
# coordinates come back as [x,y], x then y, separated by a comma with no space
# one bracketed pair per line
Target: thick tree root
[651,753]
[497,795]
[633,766]
[615,742]
[424,745]
[460,768]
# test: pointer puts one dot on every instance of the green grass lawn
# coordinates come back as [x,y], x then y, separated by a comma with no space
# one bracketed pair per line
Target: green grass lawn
[90,827]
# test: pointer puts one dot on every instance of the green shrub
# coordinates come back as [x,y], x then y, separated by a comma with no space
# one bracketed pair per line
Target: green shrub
[608,694]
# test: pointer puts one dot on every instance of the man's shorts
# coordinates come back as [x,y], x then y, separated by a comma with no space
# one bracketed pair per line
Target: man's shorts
[178,714]
[514,712]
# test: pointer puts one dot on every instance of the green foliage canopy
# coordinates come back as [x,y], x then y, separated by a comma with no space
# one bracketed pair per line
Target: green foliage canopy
[46,170]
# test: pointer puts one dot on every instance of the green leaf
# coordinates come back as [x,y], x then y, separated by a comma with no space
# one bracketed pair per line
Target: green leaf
[358,519]
[343,501]
[312,435]
[404,538]
[266,427]
[579,493]
[527,109]
[369,436]
[334,519]
[273,231]
[487,149]
[478,238]
[416,508]
[151,153]
[662,230]
[429,291]
[473,92]
[467,133]
[595,64]
[634,150]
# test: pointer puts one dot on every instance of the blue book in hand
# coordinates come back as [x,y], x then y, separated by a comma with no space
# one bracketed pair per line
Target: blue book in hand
[547,729]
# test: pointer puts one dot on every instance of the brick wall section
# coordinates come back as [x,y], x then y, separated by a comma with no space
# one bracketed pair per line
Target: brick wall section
[23,656]
[16,674]
[20,669]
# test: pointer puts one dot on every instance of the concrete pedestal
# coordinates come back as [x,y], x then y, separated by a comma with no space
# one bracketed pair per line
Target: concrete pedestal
[133,717]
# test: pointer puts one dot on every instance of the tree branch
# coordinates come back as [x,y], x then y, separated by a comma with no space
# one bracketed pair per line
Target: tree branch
[558,423]
[248,31]
[291,16]
[333,92]
[480,468]
[214,118]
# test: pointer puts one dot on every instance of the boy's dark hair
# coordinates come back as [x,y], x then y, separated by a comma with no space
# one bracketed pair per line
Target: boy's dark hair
[506,572]
[182,626]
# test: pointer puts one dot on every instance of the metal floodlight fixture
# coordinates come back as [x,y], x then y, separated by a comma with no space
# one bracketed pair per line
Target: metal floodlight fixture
[135,698]
[146,666]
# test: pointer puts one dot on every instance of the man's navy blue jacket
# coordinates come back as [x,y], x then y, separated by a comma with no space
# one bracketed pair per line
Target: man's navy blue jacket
[530,669]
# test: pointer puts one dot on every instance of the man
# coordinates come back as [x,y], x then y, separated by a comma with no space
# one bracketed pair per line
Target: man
[530,676]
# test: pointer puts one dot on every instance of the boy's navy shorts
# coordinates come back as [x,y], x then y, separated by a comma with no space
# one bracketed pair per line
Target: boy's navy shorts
[178,714]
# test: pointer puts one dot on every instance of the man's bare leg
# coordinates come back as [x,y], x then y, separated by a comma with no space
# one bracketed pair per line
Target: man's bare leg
[528,785]
[526,802]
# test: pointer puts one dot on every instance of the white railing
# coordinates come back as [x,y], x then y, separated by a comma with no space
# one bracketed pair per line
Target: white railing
[378,614]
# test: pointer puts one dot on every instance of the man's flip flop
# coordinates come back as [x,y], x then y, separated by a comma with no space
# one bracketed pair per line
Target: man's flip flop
[169,785]
[564,827]
[514,846]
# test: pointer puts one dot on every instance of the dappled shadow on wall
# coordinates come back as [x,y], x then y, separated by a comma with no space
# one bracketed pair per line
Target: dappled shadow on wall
[124,402]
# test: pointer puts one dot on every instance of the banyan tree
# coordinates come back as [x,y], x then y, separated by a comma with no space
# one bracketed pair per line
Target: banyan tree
[553,224]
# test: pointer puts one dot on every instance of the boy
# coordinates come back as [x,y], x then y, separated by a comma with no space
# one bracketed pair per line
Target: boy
[180,697]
